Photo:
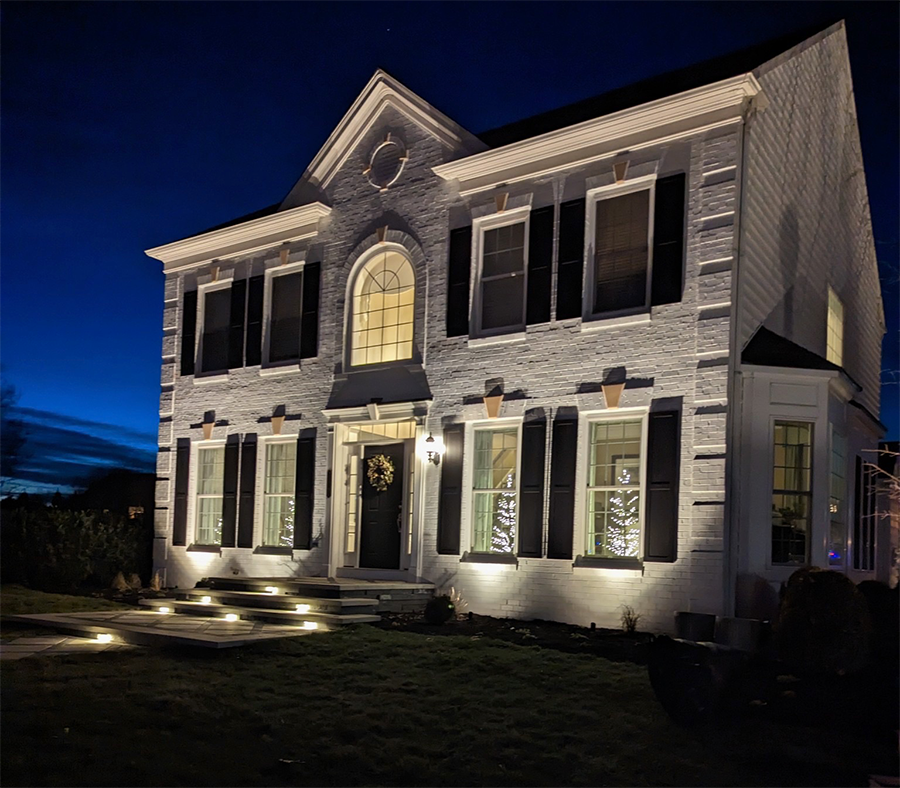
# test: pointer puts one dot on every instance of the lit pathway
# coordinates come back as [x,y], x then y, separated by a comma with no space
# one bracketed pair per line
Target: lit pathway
[49,645]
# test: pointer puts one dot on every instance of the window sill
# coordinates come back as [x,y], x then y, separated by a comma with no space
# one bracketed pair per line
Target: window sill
[489,558]
[498,339]
[601,323]
[210,377]
[205,548]
[590,562]
[273,550]
[287,368]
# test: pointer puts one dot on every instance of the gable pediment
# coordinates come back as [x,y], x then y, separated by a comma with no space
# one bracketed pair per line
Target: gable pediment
[381,92]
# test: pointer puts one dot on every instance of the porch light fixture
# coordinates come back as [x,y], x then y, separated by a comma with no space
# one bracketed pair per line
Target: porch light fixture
[303,608]
[231,617]
[205,600]
[163,610]
[271,589]
[104,637]
[431,451]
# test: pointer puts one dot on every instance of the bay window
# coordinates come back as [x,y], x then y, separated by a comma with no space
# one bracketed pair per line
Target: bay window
[791,491]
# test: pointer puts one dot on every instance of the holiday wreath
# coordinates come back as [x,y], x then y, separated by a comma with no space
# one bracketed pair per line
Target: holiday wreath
[381,472]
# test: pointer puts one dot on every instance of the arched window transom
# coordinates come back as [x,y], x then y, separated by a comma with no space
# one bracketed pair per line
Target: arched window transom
[383,299]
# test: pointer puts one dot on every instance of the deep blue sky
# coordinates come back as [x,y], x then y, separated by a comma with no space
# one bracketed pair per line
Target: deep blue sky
[128,125]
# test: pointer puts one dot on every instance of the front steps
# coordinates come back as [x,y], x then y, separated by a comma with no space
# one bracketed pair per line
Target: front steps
[233,611]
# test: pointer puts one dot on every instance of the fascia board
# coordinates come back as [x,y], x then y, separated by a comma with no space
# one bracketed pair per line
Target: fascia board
[291,225]
[391,410]
[713,103]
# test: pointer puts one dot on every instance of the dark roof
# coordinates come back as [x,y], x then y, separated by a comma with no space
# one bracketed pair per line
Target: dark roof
[247,217]
[768,349]
[651,89]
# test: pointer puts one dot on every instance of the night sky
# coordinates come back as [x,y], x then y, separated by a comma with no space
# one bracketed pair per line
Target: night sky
[125,126]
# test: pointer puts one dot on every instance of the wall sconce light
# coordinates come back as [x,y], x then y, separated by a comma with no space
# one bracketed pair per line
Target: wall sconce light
[431,451]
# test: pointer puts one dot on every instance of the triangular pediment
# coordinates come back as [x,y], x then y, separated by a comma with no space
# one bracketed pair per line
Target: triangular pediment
[382,91]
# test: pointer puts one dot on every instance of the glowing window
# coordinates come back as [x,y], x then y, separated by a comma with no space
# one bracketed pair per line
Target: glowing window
[614,489]
[278,523]
[835,340]
[211,473]
[383,300]
[791,492]
[495,490]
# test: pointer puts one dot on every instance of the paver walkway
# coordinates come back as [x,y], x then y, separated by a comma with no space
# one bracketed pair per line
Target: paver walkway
[145,627]
[49,645]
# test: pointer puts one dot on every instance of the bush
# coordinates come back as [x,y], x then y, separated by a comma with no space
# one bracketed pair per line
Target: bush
[53,549]
[823,622]
[630,619]
[884,611]
[439,609]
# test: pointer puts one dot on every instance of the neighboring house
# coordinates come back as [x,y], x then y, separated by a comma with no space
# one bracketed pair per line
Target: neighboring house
[626,352]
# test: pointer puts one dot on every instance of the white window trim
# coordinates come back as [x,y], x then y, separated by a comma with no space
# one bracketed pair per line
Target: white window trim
[202,290]
[270,274]
[582,475]
[259,504]
[193,505]
[479,226]
[468,502]
[610,191]
[358,266]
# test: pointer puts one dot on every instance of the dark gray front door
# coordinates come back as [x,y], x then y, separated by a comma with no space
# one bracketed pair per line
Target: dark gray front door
[379,546]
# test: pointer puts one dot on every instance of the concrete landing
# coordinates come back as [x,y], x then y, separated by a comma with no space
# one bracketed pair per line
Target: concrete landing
[148,628]
[52,645]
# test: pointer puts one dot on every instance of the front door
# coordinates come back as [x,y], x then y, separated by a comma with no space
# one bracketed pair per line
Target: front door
[379,546]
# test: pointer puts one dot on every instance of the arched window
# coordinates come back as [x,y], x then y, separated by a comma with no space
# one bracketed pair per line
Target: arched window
[384,294]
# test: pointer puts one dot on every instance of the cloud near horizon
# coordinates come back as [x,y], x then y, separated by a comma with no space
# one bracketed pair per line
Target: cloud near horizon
[66,452]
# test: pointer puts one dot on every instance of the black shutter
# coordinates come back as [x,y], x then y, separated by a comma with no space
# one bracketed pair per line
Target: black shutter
[540,265]
[562,488]
[182,474]
[303,489]
[458,274]
[229,489]
[531,486]
[451,491]
[188,332]
[571,260]
[309,321]
[255,289]
[663,466]
[236,327]
[668,241]
[248,490]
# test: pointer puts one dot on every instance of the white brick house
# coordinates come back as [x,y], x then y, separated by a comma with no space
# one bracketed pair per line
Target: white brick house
[640,338]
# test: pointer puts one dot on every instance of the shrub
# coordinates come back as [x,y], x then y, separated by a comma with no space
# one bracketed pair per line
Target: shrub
[439,609]
[884,612]
[630,619]
[823,622]
[54,549]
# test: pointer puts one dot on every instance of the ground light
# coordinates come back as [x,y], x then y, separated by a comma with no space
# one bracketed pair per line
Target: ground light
[310,625]
[271,590]
[205,600]
[104,637]
[303,608]
[231,617]
[164,610]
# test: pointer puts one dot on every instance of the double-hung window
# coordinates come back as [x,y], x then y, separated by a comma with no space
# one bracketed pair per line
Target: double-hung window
[500,298]
[614,512]
[791,491]
[216,322]
[210,478]
[495,490]
[285,311]
[278,494]
[620,228]
[837,549]
[834,348]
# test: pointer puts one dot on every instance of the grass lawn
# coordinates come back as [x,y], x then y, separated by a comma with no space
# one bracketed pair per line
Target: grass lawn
[374,707]
[15,600]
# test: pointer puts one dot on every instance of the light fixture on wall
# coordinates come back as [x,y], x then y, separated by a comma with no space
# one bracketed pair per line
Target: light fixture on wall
[431,450]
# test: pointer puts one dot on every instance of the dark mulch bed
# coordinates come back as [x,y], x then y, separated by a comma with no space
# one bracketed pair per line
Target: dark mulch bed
[612,644]
[131,596]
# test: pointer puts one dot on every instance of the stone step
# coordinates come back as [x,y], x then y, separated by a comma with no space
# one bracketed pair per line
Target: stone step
[146,628]
[270,615]
[281,601]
